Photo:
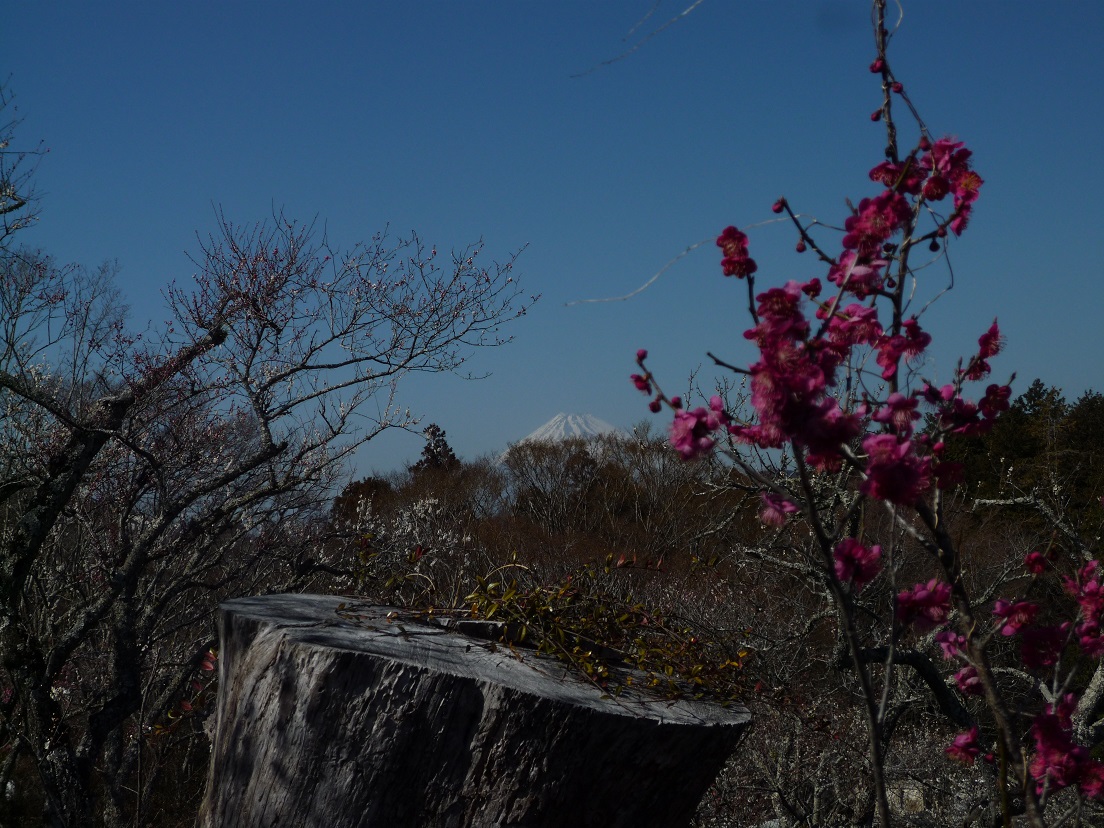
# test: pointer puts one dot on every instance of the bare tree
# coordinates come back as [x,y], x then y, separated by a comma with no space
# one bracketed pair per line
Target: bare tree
[18,201]
[145,475]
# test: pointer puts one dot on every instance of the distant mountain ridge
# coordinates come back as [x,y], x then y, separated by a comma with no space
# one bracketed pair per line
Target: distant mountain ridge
[566,426]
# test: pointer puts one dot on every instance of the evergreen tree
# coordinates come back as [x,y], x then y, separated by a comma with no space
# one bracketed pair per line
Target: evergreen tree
[437,454]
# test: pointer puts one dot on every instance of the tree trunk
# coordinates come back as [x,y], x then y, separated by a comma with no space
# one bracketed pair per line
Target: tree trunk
[366,719]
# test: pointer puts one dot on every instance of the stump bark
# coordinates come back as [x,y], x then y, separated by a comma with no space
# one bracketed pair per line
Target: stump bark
[370,719]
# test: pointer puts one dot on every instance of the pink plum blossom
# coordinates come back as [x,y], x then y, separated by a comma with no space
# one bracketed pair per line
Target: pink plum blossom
[924,605]
[989,345]
[856,563]
[874,221]
[691,431]
[859,277]
[966,193]
[948,165]
[854,325]
[899,412]
[1016,615]
[965,748]
[1091,780]
[906,178]
[995,401]
[1058,761]
[893,471]
[968,682]
[951,643]
[907,345]
[775,509]
[1035,563]
[990,342]
[1090,637]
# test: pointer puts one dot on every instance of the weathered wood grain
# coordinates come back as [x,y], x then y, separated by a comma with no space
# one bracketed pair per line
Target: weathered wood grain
[327,722]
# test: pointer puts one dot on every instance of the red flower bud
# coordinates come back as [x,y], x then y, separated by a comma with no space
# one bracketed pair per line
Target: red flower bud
[897,87]
[778,205]
[877,66]
[801,248]
[876,115]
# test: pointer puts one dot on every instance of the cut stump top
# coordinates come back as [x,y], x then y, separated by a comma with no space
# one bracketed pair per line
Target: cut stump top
[406,636]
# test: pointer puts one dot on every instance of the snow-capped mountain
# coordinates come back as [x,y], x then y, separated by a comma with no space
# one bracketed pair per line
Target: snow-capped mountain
[565,426]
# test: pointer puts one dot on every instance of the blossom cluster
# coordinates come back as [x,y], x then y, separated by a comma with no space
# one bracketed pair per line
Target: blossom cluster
[691,430]
[925,605]
[932,172]
[793,380]
[809,343]
[1058,761]
[1089,594]
[736,261]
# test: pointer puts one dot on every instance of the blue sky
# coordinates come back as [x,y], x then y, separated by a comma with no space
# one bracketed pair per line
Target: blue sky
[463,120]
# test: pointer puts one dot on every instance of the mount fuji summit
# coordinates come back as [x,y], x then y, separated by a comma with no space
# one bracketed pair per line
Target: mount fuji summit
[566,426]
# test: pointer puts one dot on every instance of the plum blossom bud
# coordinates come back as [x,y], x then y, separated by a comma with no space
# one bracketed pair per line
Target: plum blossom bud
[876,115]
[641,355]
[878,65]
[654,406]
[897,87]
[800,247]
[778,206]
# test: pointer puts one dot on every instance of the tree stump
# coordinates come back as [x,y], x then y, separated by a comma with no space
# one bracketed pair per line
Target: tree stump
[374,718]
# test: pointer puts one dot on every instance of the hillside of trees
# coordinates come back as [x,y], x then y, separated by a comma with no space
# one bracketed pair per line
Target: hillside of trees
[685,539]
